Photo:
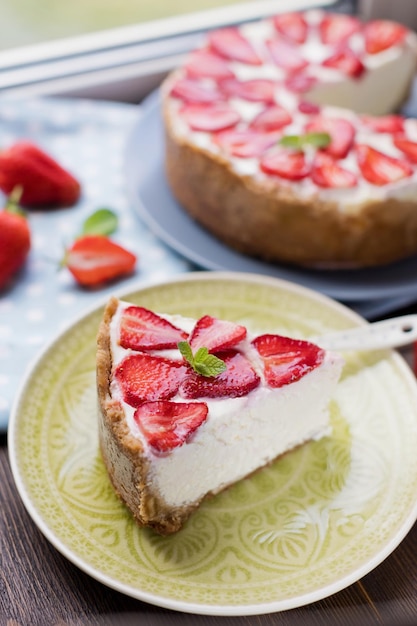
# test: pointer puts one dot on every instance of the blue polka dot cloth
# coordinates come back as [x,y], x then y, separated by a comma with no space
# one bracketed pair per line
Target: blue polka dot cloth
[88,138]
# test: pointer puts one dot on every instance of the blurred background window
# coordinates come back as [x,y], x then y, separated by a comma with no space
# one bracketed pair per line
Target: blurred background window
[26,22]
[114,49]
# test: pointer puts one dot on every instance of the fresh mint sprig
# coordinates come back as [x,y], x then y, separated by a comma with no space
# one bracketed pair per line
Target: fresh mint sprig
[202,361]
[300,142]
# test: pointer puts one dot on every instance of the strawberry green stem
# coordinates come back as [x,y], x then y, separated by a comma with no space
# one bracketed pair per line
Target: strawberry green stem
[12,204]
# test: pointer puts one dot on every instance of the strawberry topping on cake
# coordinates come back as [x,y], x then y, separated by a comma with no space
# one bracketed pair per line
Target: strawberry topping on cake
[164,365]
[300,54]
[289,126]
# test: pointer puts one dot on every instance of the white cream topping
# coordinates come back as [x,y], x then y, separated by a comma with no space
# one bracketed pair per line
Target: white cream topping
[240,434]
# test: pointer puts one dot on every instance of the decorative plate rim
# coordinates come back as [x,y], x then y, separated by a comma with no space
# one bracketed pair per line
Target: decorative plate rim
[168,602]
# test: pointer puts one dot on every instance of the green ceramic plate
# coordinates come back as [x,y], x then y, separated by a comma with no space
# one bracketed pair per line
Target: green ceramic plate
[309,525]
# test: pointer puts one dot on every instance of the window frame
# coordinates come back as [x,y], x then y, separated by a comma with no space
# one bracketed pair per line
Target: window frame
[126,63]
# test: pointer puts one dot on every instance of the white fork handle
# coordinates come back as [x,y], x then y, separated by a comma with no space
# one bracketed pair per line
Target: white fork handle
[390,333]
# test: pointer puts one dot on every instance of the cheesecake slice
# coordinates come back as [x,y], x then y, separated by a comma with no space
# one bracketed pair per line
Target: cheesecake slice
[189,407]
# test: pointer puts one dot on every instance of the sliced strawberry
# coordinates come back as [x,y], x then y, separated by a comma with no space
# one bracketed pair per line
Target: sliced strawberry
[95,259]
[256,90]
[286,55]
[336,28]
[379,168]
[285,164]
[147,378]
[205,64]
[194,92]
[346,61]
[408,147]
[168,425]
[341,131]
[286,360]
[141,329]
[293,26]
[231,44]
[384,123]
[327,173]
[300,83]
[308,108]
[215,334]
[273,117]
[245,143]
[237,380]
[383,34]
[210,118]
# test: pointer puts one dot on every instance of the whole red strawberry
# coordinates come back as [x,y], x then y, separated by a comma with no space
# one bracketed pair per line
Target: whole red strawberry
[44,181]
[14,241]
[96,259]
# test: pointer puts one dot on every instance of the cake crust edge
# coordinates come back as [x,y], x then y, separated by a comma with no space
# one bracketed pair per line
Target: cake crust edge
[122,453]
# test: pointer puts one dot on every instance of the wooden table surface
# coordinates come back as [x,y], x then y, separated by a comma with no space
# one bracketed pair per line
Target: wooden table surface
[39,587]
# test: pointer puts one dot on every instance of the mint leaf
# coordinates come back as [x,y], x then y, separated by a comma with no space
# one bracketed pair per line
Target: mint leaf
[185,349]
[318,140]
[202,361]
[299,142]
[101,222]
[292,141]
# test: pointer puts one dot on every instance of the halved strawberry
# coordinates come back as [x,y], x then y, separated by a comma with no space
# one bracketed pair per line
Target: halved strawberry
[237,380]
[96,259]
[300,83]
[245,143]
[194,92]
[286,360]
[231,44]
[141,329]
[336,28]
[146,378]
[273,117]
[205,64]
[210,118]
[256,90]
[346,61]
[383,34]
[286,55]
[384,123]
[293,26]
[408,147]
[327,173]
[379,168]
[341,131]
[215,334]
[285,164]
[168,425]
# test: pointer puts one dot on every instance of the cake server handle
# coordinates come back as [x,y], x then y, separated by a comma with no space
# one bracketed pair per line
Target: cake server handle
[390,333]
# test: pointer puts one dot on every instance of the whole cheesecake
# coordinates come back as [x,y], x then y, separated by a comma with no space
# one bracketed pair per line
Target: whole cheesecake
[189,407]
[282,139]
